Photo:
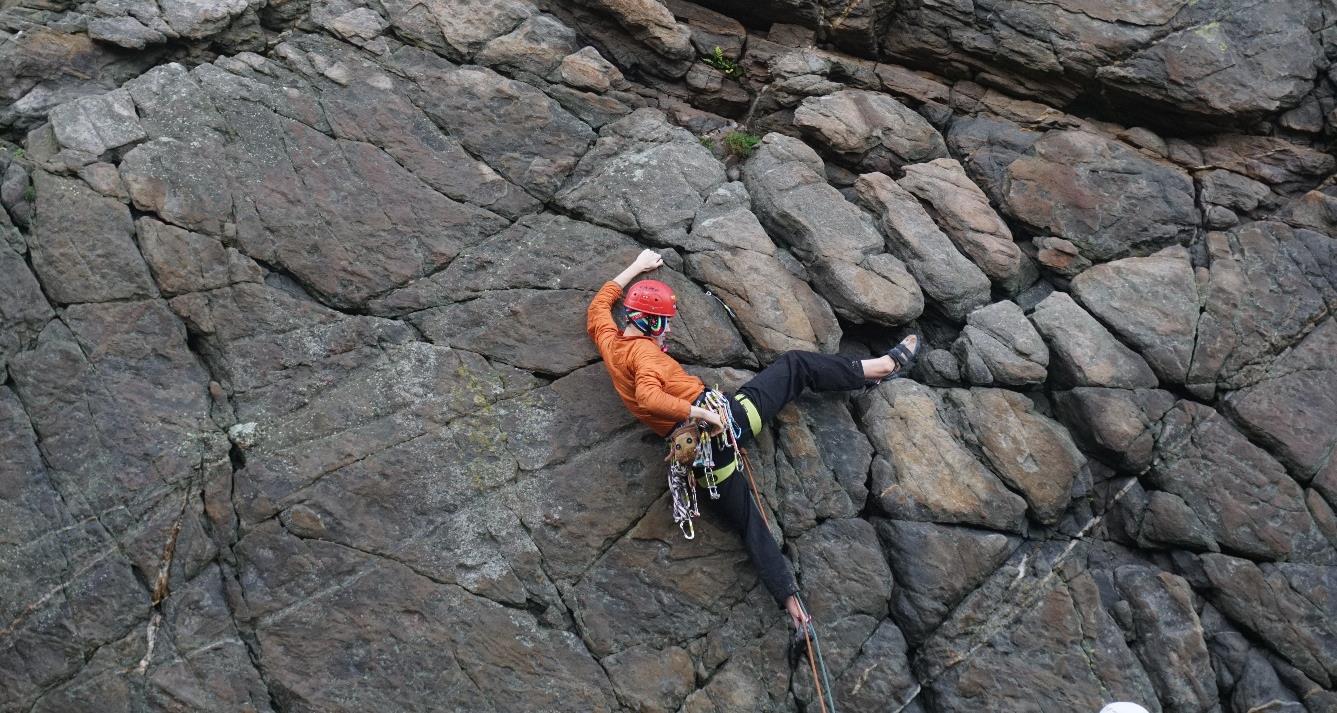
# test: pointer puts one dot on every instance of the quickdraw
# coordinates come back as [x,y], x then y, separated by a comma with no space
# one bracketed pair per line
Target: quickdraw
[682,487]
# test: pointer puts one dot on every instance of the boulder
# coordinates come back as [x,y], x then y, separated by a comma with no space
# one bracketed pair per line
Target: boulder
[587,69]
[457,29]
[96,124]
[536,147]
[1265,287]
[1285,603]
[963,211]
[537,46]
[1243,496]
[644,176]
[1065,652]
[1083,352]
[1105,197]
[822,465]
[24,310]
[1117,425]
[1028,451]
[947,277]
[81,244]
[1151,303]
[281,577]
[833,238]
[1290,409]
[1169,638]
[999,345]
[935,567]
[922,473]
[869,131]
[182,261]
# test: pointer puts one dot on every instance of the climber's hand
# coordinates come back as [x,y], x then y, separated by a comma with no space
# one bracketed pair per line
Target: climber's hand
[796,614]
[710,417]
[648,260]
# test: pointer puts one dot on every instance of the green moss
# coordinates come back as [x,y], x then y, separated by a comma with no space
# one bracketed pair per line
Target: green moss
[30,193]
[740,143]
[727,67]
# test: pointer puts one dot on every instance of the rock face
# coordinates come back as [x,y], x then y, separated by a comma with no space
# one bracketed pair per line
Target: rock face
[298,411]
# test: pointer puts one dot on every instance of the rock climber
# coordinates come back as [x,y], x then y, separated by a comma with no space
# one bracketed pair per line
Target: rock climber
[662,395]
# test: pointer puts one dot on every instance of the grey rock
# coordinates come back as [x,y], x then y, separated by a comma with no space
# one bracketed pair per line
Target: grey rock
[922,473]
[1231,190]
[1169,521]
[537,46]
[963,211]
[651,680]
[1152,303]
[823,474]
[844,571]
[96,124]
[1169,638]
[182,261]
[709,29]
[1249,503]
[935,567]
[587,69]
[1265,285]
[1118,425]
[999,345]
[561,673]
[125,31]
[536,147]
[1068,183]
[81,244]
[830,236]
[1284,604]
[1064,652]
[545,328]
[946,276]
[1286,166]
[869,130]
[776,311]
[643,176]
[880,675]
[456,28]
[1028,451]
[24,310]
[1083,352]
[1290,409]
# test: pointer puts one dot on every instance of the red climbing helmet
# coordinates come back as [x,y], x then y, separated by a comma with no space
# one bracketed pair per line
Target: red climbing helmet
[651,297]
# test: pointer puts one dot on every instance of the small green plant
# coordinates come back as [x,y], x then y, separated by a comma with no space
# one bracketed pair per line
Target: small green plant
[708,142]
[741,143]
[20,153]
[30,193]
[727,67]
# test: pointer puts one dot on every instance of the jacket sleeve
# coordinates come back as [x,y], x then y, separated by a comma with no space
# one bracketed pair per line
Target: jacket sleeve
[599,319]
[651,396]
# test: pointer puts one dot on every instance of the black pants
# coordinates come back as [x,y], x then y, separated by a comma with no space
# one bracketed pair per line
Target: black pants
[776,385]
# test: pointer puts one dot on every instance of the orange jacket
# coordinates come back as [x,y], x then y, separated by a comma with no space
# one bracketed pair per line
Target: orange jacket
[651,383]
